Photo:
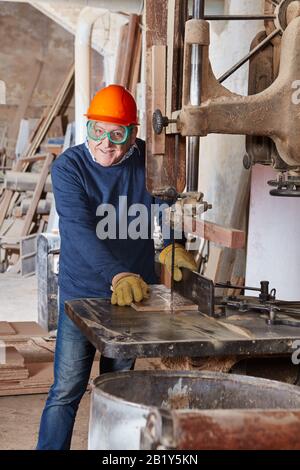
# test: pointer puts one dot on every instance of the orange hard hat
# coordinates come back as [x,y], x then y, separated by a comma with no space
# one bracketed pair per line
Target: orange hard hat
[113,104]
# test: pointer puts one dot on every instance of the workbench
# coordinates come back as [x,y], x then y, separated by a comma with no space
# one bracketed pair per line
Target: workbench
[122,332]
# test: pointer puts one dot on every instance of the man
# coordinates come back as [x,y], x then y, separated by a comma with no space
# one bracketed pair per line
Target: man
[110,164]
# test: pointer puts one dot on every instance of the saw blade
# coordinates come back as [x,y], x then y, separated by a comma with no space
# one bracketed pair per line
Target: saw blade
[172,274]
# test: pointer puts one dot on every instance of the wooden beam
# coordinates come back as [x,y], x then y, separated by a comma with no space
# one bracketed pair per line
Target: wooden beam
[34,158]
[8,194]
[136,62]
[121,54]
[158,81]
[37,195]
[167,169]
[131,37]
[224,236]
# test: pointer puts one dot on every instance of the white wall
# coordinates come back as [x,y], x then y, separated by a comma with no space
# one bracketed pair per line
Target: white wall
[274,238]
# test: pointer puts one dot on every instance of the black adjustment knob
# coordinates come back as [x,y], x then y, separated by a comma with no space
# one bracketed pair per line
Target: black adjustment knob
[159,121]
[264,291]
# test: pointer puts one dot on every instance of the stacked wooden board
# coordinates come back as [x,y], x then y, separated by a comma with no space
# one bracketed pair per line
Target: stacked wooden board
[25,366]
[29,355]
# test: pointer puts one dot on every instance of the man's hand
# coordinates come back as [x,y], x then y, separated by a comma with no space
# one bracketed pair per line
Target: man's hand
[182,259]
[128,288]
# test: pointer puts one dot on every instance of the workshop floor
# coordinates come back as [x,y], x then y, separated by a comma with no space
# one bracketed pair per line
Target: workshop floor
[20,415]
[20,418]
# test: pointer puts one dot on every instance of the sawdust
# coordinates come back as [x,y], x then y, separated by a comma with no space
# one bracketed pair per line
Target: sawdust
[176,363]
[214,364]
[236,329]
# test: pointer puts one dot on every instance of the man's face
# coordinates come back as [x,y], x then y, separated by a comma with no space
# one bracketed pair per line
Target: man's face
[105,152]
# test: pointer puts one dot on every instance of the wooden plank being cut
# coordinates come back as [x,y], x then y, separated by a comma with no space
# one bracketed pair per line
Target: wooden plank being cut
[161,299]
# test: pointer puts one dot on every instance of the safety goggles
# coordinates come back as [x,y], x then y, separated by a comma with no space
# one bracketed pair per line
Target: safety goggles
[119,135]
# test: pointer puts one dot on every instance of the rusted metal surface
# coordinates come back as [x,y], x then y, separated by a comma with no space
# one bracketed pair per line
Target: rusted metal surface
[261,76]
[272,72]
[224,112]
[286,11]
[192,410]
[223,430]
[122,401]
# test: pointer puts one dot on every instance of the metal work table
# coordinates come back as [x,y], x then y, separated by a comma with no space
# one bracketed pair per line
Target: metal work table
[122,332]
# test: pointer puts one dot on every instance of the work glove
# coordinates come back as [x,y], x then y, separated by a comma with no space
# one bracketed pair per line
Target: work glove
[128,288]
[182,259]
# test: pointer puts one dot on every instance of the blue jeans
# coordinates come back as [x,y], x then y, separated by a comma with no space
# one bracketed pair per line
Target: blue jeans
[74,356]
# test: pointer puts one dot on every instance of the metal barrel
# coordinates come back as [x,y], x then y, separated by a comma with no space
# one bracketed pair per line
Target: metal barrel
[122,402]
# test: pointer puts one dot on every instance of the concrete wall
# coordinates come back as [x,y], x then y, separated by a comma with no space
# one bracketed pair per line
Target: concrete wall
[26,35]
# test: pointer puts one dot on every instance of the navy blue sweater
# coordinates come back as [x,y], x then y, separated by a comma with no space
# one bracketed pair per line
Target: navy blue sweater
[88,264]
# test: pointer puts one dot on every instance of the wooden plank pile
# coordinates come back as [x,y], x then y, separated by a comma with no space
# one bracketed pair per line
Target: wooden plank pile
[26,365]
[27,362]
[25,196]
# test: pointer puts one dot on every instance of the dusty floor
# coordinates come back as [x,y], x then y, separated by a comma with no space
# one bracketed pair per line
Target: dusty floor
[20,418]
[20,415]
